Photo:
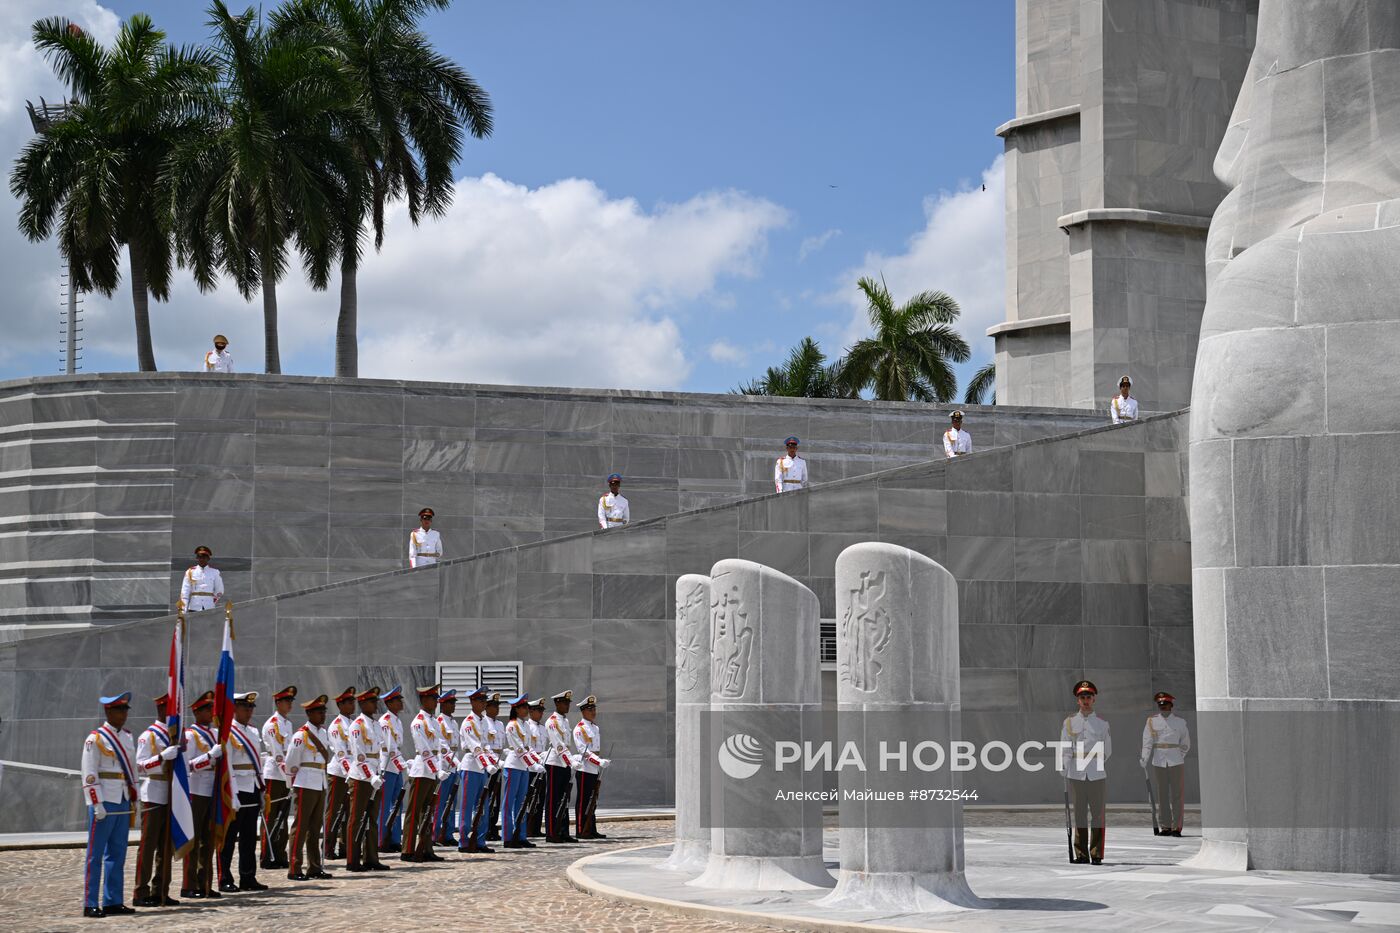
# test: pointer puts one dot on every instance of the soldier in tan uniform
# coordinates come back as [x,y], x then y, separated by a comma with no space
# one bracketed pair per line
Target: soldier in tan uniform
[338,774]
[154,752]
[277,797]
[1166,740]
[306,767]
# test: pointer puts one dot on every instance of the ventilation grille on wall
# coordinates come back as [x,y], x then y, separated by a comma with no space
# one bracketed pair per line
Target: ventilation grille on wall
[465,676]
[829,643]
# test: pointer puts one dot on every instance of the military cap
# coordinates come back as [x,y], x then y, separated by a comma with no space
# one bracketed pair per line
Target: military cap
[431,691]
[537,703]
[1164,697]
[204,699]
[1125,379]
[246,699]
[446,695]
[614,476]
[347,694]
[478,694]
[369,693]
[792,439]
[521,700]
[205,549]
[494,698]
[1085,686]
[426,513]
[318,703]
[286,693]
[162,700]
[218,337]
[395,692]
[589,702]
[957,415]
[116,701]
[565,696]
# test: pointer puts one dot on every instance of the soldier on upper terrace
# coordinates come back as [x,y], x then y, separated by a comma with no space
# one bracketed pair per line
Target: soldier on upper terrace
[1124,407]
[613,510]
[790,471]
[424,544]
[956,441]
[203,586]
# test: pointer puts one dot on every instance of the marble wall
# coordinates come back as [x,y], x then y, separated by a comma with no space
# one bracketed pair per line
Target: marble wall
[1072,558]
[108,482]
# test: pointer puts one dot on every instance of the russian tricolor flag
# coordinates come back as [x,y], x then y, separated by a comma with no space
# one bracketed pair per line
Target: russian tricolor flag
[225,800]
[181,815]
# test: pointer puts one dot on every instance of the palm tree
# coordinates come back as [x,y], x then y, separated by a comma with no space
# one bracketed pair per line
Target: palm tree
[982,382]
[907,358]
[415,104]
[96,171]
[272,171]
[805,374]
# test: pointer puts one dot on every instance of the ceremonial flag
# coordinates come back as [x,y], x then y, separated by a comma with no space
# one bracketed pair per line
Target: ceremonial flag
[181,815]
[225,800]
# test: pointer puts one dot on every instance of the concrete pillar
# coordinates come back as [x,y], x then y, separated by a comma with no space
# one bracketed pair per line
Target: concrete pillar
[765,685]
[691,850]
[897,682]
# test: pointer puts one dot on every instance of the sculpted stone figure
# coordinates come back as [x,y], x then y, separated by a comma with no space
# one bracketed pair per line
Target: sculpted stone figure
[1295,437]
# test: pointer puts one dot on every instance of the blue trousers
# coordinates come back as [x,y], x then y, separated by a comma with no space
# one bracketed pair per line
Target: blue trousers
[442,820]
[516,784]
[390,834]
[106,855]
[470,796]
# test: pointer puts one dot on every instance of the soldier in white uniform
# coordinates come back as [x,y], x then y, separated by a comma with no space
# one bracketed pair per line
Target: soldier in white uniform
[203,586]
[1123,407]
[337,776]
[613,511]
[1166,740]
[790,472]
[534,794]
[425,772]
[244,752]
[306,766]
[452,785]
[366,755]
[478,766]
[154,752]
[393,768]
[495,742]
[956,441]
[277,798]
[518,765]
[219,360]
[424,544]
[1088,784]
[588,742]
[559,766]
[202,752]
[109,789]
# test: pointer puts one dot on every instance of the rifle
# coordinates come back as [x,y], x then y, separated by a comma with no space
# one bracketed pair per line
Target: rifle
[1069,832]
[591,810]
[447,827]
[280,823]
[331,842]
[481,801]
[1151,801]
[398,804]
[493,788]
[366,818]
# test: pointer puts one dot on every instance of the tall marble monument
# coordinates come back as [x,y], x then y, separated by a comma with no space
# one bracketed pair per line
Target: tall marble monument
[1295,437]
[691,849]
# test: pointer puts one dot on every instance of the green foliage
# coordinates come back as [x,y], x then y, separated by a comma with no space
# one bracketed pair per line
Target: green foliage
[805,374]
[983,382]
[907,357]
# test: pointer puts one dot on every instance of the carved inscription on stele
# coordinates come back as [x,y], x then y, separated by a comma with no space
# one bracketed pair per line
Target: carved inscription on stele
[865,633]
[733,639]
[693,610]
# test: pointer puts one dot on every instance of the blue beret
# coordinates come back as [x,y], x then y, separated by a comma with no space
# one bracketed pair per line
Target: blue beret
[478,694]
[613,476]
[791,440]
[448,695]
[523,698]
[118,699]
[393,693]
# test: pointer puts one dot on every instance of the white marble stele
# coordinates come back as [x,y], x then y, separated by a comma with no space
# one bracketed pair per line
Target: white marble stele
[765,653]
[897,670]
[691,850]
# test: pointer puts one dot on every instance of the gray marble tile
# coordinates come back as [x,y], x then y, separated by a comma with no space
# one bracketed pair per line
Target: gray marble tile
[630,596]
[694,544]
[710,464]
[554,595]
[1360,607]
[573,555]
[1115,604]
[989,471]
[993,646]
[981,513]
[1046,467]
[1048,603]
[1169,604]
[987,601]
[1277,644]
[1049,560]
[785,552]
[279,403]
[640,641]
[823,549]
[844,509]
[991,690]
[291,536]
[437,456]
[1113,516]
[437,410]
[349,406]
[1169,561]
[567,459]
[223,450]
[215,404]
[633,550]
[934,547]
[1116,646]
[1055,646]
[635,462]
[1168,520]
[628,689]
[1119,561]
[478,639]
[292,450]
[399,641]
[306,641]
[1171,649]
[489,456]
[1111,472]
[981,558]
[1047,515]
[507,411]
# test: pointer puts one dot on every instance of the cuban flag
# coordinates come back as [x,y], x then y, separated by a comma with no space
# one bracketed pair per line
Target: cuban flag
[181,815]
[225,801]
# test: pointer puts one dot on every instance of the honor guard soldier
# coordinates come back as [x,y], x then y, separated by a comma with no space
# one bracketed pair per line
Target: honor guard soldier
[203,586]
[1165,742]
[613,511]
[790,472]
[1087,749]
[452,785]
[202,752]
[393,768]
[478,766]
[277,804]
[956,441]
[559,764]
[1123,407]
[337,774]
[535,796]
[219,360]
[306,767]
[366,751]
[425,773]
[154,752]
[495,741]
[588,743]
[518,765]
[424,544]
[244,751]
[109,789]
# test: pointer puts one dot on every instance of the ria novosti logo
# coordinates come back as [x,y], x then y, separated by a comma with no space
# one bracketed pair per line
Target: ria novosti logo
[740,756]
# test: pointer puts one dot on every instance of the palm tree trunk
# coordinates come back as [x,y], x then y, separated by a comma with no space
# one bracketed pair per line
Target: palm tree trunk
[141,305]
[272,358]
[347,347]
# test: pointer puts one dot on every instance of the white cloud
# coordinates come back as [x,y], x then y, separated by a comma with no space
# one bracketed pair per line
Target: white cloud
[722,351]
[961,250]
[812,244]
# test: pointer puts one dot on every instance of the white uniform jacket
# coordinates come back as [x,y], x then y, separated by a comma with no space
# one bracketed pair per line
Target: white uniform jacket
[588,740]
[518,754]
[199,741]
[218,361]
[613,511]
[366,748]
[790,473]
[1165,740]
[391,737]
[155,776]
[1123,409]
[203,588]
[956,443]
[447,741]
[474,743]
[557,735]
[245,757]
[306,758]
[338,745]
[276,736]
[1084,733]
[427,746]
[424,547]
[108,766]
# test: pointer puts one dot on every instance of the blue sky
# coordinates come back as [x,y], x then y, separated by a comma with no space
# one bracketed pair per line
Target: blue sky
[703,142]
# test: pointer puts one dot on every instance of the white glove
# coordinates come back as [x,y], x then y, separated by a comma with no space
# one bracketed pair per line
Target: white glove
[442,774]
[603,763]
[576,764]
[216,752]
[537,769]
[1142,762]
[170,752]
[492,768]
[99,812]
[376,782]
